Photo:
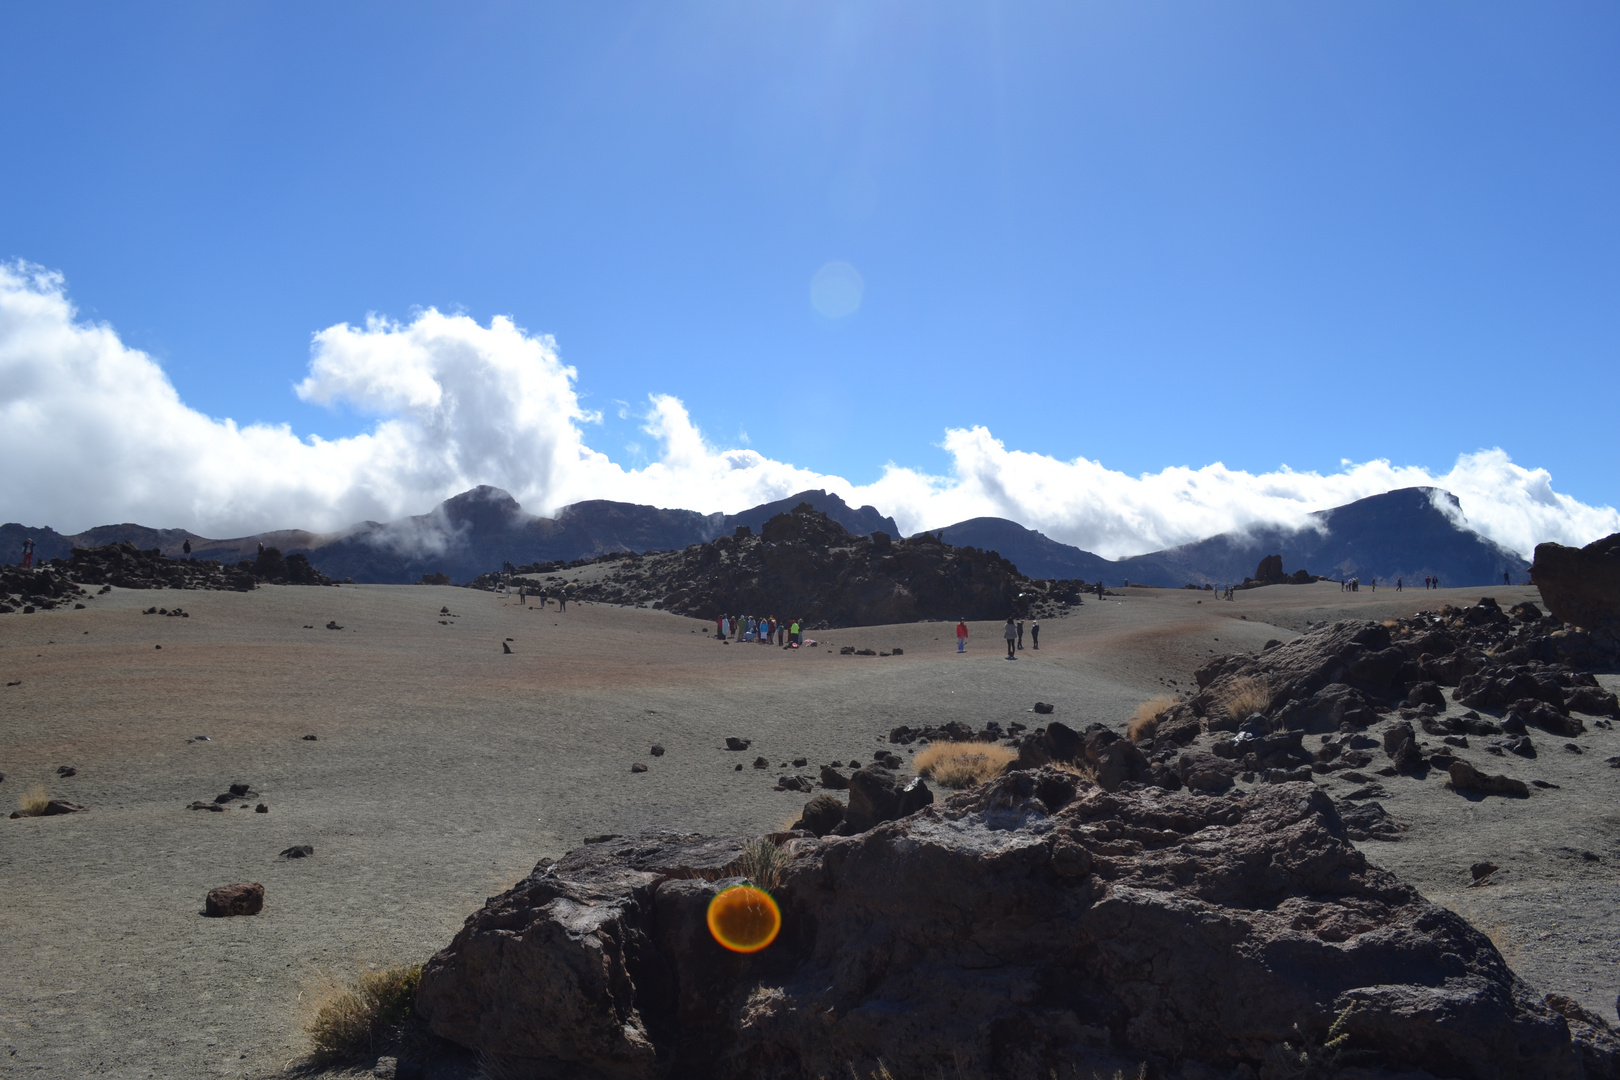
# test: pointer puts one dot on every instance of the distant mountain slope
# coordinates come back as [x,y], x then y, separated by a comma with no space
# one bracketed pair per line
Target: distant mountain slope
[1403,533]
[1035,554]
[1399,534]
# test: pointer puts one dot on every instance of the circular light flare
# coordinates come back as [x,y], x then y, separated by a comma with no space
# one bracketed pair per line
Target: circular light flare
[744,918]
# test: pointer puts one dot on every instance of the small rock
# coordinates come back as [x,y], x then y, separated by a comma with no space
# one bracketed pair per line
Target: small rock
[638,767]
[738,766]
[1543,784]
[897,652]
[736,744]
[505,648]
[833,779]
[228,900]
[261,809]
[333,625]
[657,751]
[761,763]
[1572,748]
[799,762]
[298,851]
[1464,777]
[66,770]
[200,805]
[821,815]
[1483,870]
[309,738]
[794,783]
[387,1068]
[1042,707]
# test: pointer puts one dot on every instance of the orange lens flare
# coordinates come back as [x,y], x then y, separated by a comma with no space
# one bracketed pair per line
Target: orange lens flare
[744,919]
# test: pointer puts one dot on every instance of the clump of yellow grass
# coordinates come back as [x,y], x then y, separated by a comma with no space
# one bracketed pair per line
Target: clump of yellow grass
[1242,698]
[34,801]
[351,1020]
[963,764]
[1145,720]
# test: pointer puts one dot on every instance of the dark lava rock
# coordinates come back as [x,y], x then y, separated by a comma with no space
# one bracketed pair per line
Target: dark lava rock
[298,851]
[261,809]
[228,900]
[638,767]
[200,805]
[309,738]
[1370,821]
[1198,934]
[1481,870]
[736,744]
[795,783]
[833,779]
[66,770]
[800,762]
[1581,586]
[506,649]
[53,808]
[877,794]
[1464,777]
[821,815]
[1042,707]
[657,751]
[761,763]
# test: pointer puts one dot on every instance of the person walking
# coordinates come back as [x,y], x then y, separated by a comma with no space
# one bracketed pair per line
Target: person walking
[1035,634]
[961,635]
[1010,633]
[523,596]
[1397,584]
[186,548]
[1505,580]
[793,634]
[1020,634]
[28,552]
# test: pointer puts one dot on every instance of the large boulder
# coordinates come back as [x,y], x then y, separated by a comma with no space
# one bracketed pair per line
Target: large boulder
[1032,926]
[879,794]
[1580,585]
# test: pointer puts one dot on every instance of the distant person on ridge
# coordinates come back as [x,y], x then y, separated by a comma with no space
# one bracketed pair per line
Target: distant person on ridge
[1505,580]
[1010,632]
[28,553]
[961,635]
[1035,633]
[186,547]
[1397,584]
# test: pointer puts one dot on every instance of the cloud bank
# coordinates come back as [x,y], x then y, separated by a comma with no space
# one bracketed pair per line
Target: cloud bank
[93,432]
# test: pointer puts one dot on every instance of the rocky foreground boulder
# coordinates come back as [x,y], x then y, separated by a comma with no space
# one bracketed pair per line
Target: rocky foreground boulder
[1581,585]
[1036,927]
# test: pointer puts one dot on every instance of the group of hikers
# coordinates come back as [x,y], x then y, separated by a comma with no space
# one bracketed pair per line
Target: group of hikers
[759,628]
[1012,633]
[522,595]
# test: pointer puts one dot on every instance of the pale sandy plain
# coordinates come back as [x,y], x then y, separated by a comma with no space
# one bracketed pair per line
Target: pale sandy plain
[444,769]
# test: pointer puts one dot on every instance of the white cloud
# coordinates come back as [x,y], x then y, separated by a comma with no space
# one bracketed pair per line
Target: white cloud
[93,432]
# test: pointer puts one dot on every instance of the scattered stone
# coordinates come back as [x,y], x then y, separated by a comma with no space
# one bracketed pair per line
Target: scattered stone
[1042,707]
[1482,870]
[229,900]
[1544,784]
[821,815]
[54,808]
[795,783]
[738,767]
[309,738]
[638,767]
[1574,749]
[847,650]
[261,809]
[66,770]
[298,851]
[200,805]
[332,624]
[1464,777]
[761,763]
[897,652]
[657,750]
[505,648]
[800,762]
[1370,821]
[837,781]
[737,744]
[1612,762]
[865,652]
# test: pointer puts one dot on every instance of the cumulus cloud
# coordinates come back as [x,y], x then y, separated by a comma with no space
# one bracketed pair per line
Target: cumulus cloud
[95,433]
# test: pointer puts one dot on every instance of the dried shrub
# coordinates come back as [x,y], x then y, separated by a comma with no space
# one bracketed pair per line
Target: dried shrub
[34,801]
[963,765]
[1145,720]
[1242,698]
[762,863]
[353,1020]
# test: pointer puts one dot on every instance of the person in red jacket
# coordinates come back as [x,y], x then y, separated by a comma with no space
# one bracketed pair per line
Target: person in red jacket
[961,636]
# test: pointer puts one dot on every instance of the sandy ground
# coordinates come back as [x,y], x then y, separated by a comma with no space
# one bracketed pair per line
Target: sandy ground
[443,769]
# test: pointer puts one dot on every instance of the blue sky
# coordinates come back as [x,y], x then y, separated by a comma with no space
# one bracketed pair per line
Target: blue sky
[1149,235]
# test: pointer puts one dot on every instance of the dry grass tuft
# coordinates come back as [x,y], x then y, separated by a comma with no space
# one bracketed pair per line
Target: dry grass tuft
[962,765]
[1145,720]
[34,801]
[1242,698]
[762,863]
[352,1020]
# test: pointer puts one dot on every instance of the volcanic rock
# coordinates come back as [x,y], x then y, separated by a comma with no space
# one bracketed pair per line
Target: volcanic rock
[877,794]
[821,815]
[228,900]
[833,779]
[1464,777]
[1581,586]
[1195,934]
[736,744]
[298,851]
[1369,821]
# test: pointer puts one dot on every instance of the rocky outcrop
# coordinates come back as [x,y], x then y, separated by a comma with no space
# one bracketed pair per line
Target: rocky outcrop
[1581,586]
[124,566]
[803,565]
[229,900]
[1036,925]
